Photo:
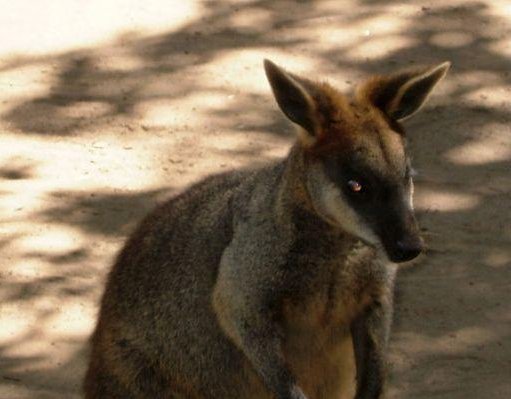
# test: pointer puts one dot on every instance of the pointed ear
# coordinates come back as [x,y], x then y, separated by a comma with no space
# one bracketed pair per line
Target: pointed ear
[403,94]
[292,96]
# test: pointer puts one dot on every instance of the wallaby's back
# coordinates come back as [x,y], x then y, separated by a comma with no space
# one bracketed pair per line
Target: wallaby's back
[157,329]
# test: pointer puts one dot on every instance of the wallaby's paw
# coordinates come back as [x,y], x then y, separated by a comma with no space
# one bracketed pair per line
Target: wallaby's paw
[297,393]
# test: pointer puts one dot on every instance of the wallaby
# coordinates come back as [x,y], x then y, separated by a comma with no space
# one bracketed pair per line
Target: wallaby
[274,283]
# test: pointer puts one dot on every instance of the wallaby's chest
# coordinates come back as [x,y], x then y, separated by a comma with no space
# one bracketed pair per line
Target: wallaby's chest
[333,290]
[317,339]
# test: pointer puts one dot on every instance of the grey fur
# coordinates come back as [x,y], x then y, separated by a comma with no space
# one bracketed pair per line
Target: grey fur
[238,289]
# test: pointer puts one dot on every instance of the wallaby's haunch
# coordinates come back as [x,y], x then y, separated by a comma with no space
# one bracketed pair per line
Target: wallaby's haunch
[277,282]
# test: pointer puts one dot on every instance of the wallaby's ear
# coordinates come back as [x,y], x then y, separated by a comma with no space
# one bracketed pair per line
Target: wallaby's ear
[403,94]
[292,97]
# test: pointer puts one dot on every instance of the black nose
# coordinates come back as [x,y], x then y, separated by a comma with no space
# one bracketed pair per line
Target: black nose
[407,249]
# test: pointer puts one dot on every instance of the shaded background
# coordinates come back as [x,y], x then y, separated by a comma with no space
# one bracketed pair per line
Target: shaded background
[107,107]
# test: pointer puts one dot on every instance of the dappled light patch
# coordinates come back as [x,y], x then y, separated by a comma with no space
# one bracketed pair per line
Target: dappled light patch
[486,149]
[54,29]
[53,240]
[86,109]
[452,39]
[172,114]
[444,201]
[498,258]
[379,46]
[74,318]
[252,20]
[39,76]
[13,325]
[470,336]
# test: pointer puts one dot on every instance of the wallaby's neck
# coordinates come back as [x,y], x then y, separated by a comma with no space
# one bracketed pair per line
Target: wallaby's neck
[292,192]
[293,203]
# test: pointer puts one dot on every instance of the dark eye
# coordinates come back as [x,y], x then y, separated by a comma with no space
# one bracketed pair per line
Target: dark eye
[355,186]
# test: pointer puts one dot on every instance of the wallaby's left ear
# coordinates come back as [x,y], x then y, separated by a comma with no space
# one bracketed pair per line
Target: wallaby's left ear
[403,94]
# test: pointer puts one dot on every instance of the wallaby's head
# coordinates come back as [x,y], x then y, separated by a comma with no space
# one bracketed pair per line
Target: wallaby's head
[357,169]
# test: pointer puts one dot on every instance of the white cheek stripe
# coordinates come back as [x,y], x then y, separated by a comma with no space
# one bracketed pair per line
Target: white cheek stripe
[410,195]
[335,208]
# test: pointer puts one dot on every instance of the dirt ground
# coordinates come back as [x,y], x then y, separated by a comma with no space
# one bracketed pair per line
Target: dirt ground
[107,107]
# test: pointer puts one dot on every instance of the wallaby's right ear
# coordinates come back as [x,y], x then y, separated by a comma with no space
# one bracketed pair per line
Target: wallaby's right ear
[292,97]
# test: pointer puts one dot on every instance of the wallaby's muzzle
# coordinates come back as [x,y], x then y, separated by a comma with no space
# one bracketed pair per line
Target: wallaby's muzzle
[405,249]
[401,239]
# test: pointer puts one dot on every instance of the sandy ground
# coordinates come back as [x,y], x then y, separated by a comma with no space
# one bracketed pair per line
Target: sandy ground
[107,107]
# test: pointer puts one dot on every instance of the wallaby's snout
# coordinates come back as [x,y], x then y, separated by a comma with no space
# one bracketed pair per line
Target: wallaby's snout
[405,246]
[398,231]
[408,248]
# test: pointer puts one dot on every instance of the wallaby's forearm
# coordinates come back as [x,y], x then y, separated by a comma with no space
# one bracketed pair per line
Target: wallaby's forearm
[261,344]
[370,334]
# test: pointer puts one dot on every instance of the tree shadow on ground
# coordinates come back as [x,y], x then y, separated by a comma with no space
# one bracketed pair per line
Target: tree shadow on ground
[82,76]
